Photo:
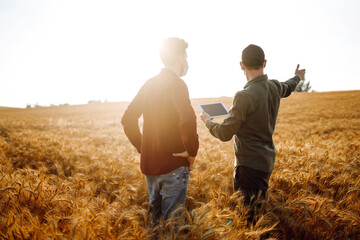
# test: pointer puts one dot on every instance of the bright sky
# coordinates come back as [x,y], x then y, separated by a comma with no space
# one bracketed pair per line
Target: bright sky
[56,52]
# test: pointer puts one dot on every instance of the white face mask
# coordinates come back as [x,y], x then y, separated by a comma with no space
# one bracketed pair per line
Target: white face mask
[185,68]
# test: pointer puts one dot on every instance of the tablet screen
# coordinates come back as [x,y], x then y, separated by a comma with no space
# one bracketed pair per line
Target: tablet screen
[214,109]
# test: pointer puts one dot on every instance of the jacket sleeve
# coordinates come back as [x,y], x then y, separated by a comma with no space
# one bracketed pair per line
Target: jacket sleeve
[287,87]
[230,126]
[181,100]
[130,120]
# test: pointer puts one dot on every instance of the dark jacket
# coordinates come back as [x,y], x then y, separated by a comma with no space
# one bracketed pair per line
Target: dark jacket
[252,120]
[169,124]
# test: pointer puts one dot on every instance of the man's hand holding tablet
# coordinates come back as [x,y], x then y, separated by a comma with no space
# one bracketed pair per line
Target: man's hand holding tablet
[204,117]
[211,110]
[214,109]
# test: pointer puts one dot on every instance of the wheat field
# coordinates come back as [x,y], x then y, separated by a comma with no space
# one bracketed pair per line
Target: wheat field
[69,172]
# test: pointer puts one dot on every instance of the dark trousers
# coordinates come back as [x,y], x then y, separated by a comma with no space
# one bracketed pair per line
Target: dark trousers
[253,184]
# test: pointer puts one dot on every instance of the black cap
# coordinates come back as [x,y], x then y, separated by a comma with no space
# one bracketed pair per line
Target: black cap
[253,56]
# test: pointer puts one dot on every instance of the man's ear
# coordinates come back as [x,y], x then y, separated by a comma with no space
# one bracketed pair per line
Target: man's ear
[242,66]
[264,63]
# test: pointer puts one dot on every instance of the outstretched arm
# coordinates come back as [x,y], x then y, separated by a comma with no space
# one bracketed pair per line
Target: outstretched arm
[286,88]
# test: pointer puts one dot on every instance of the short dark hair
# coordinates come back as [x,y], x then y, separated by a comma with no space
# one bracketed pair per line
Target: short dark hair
[172,48]
[253,57]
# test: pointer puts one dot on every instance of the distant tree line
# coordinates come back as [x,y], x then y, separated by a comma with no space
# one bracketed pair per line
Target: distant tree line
[36,105]
[97,101]
[303,86]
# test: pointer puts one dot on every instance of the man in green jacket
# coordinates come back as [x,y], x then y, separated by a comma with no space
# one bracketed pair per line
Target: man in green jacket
[252,120]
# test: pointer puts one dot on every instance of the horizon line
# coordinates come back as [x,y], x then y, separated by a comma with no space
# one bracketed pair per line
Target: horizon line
[99,101]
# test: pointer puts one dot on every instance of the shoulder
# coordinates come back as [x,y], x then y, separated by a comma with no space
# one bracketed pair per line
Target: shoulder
[150,81]
[145,87]
[179,82]
[179,86]
[242,95]
[275,84]
[274,81]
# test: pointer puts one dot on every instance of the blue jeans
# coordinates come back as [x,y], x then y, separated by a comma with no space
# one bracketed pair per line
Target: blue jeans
[167,192]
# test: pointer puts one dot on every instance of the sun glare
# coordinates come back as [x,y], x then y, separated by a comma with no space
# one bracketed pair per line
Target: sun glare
[76,51]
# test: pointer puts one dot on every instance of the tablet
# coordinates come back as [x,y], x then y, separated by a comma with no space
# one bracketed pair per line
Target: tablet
[214,109]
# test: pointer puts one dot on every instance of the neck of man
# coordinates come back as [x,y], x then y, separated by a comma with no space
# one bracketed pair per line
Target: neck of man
[175,69]
[251,74]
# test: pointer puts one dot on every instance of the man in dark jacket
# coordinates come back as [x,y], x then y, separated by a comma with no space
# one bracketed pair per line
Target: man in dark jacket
[252,120]
[169,142]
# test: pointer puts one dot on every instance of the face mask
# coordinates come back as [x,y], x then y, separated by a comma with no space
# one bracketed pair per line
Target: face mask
[185,68]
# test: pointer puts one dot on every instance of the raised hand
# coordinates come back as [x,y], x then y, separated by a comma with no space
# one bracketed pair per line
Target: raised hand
[300,72]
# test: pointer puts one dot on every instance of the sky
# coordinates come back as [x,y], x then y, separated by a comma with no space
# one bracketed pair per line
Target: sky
[57,52]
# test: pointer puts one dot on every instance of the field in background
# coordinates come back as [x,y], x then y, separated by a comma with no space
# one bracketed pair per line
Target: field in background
[69,172]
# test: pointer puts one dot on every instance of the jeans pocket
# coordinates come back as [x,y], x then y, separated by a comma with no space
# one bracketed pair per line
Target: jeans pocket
[175,182]
[170,184]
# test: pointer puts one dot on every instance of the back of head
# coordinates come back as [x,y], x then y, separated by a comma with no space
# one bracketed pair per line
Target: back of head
[172,48]
[253,57]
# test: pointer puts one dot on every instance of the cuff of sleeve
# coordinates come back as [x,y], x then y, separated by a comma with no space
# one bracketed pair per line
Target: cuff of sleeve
[209,123]
[192,152]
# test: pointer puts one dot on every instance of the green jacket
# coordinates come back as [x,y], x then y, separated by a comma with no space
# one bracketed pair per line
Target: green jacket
[252,120]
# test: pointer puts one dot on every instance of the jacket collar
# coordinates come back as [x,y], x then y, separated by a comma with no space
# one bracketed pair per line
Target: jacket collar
[255,80]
